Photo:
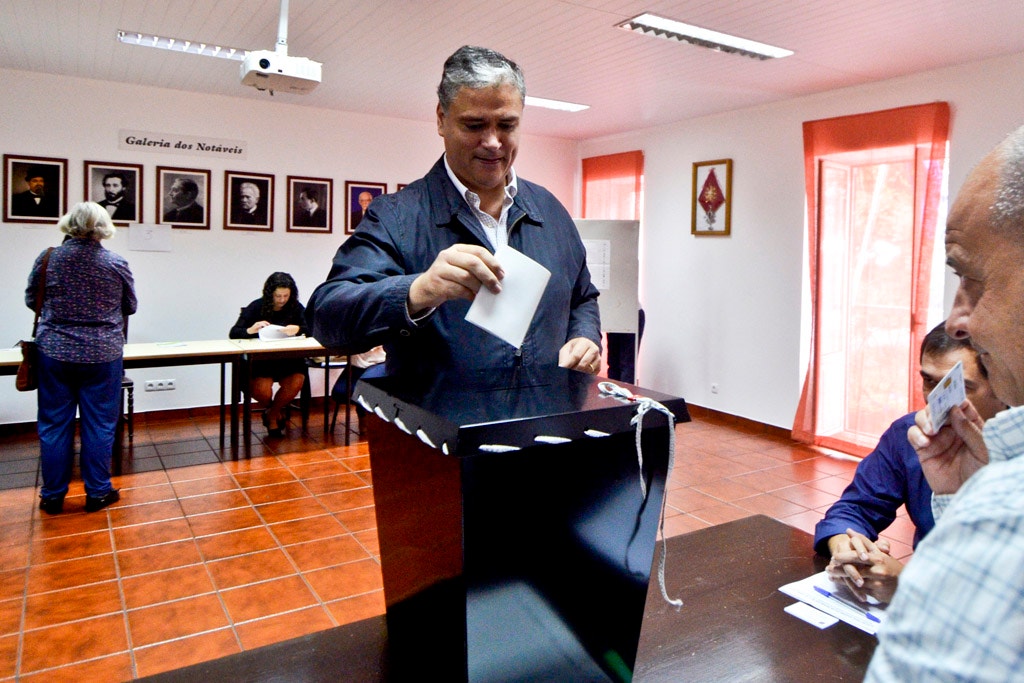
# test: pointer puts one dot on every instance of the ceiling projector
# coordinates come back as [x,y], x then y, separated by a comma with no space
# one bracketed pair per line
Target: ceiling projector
[277,72]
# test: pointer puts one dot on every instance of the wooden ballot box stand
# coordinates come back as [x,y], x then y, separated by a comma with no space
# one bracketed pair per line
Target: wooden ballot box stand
[516,542]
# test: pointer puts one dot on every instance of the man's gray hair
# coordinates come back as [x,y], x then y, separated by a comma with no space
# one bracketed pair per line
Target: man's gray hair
[1008,209]
[477,67]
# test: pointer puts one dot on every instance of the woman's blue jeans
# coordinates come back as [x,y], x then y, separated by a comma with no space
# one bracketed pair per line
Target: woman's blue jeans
[94,391]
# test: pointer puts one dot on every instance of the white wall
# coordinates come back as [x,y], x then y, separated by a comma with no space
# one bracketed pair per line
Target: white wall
[728,310]
[195,291]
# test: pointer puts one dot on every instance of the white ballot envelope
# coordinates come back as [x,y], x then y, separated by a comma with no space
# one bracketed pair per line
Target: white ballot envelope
[507,315]
[946,395]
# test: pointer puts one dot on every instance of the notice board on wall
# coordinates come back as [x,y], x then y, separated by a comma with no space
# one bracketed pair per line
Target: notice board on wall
[613,260]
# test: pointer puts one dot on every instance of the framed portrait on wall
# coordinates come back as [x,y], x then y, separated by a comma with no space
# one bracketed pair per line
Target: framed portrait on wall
[358,197]
[115,187]
[309,204]
[248,201]
[711,210]
[183,197]
[35,189]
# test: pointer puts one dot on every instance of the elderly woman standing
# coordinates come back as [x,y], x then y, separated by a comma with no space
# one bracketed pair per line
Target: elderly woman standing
[89,292]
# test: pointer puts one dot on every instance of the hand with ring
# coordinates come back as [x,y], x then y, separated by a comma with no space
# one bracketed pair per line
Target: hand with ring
[580,354]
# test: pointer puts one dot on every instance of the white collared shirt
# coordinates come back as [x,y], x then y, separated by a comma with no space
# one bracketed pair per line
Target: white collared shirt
[496,230]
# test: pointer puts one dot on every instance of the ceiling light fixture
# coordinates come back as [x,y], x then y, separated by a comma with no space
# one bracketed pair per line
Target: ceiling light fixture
[554,104]
[191,47]
[670,29]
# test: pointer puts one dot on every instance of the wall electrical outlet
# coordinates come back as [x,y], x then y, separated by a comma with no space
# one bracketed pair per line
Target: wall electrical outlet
[714,387]
[159,385]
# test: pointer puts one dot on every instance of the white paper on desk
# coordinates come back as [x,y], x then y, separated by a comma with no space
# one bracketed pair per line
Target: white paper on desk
[274,333]
[507,315]
[804,591]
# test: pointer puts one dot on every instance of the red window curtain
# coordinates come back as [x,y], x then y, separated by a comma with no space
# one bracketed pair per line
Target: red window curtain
[925,126]
[612,186]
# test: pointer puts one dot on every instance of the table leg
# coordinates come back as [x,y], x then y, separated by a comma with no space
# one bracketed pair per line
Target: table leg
[327,381]
[222,405]
[348,404]
[246,404]
[236,373]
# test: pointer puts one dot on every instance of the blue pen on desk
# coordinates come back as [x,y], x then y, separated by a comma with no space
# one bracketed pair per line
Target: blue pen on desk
[862,610]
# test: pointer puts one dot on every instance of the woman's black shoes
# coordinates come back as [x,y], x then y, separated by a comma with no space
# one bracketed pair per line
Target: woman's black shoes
[55,505]
[274,432]
[94,504]
[52,506]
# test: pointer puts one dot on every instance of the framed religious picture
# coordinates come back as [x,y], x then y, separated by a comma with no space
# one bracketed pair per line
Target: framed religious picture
[183,197]
[309,204]
[358,196]
[115,187]
[248,201]
[711,212]
[35,189]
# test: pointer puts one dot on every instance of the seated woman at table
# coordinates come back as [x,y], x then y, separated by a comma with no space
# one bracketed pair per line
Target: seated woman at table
[280,306]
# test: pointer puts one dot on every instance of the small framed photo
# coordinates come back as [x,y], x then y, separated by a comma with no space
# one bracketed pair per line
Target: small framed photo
[309,204]
[117,188]
[358,196]
[35,189]
[401,186]
[248,201]
[711,212]
[183,197]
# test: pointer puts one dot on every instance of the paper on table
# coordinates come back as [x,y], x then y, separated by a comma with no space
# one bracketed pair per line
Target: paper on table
[805,591]
[507,315]
[275,333]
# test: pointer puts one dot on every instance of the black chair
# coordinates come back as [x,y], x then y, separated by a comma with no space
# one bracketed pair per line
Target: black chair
[126,418]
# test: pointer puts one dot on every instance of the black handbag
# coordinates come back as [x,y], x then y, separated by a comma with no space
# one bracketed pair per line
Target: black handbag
[28,371]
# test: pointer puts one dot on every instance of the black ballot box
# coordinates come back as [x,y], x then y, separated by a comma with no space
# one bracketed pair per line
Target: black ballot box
[516,539]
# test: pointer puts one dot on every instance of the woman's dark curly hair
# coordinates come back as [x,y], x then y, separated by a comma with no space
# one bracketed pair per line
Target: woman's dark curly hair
[273,283]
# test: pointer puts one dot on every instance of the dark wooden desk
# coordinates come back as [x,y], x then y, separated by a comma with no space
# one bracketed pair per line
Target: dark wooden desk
[732,627]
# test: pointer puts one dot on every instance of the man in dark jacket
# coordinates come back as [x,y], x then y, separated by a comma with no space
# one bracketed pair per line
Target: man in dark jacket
[406,278]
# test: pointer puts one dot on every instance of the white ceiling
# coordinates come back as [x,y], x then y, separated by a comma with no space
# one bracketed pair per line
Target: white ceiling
[384,57]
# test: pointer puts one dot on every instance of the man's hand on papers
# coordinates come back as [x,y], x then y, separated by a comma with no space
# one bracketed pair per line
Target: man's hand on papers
[864,566]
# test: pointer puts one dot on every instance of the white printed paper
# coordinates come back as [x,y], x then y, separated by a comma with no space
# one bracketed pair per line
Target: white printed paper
[273,333]
[815,617]
[507,315]
[149,237]
[845,609]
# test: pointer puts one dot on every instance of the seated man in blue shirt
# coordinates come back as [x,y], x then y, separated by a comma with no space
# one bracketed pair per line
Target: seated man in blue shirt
[890,477]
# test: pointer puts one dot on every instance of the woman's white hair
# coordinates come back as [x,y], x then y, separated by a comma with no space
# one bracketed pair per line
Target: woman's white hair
[87,219]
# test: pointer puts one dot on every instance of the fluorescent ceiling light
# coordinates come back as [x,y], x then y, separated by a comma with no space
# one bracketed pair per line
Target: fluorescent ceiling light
[191,47]
[555,104]
[670,29]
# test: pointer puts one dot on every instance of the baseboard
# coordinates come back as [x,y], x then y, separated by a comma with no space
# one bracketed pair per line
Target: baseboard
[316,407]
[742,423]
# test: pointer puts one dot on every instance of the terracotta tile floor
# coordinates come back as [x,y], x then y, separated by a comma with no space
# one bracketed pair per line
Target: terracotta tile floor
[205,557]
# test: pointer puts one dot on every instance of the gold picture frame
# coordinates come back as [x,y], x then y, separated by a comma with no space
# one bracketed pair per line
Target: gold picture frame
[711,209]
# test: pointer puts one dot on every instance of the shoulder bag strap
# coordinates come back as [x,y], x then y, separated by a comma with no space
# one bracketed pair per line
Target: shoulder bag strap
[41,290]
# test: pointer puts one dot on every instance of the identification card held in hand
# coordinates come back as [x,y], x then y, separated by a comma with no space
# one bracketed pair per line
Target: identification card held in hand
[946,395]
